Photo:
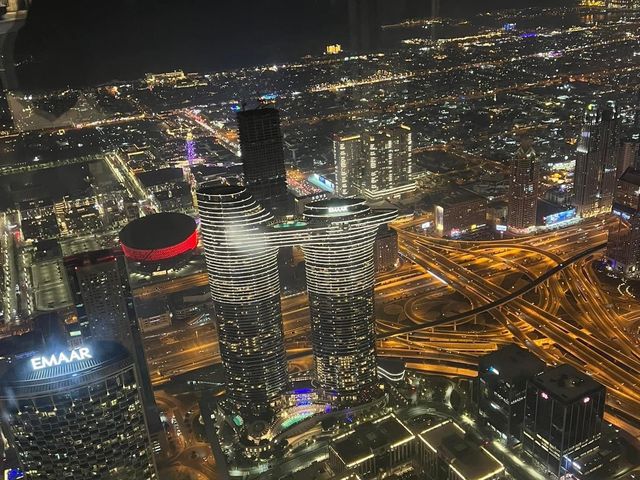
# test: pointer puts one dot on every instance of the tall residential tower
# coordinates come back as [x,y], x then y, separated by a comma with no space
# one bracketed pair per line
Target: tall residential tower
[374,164]
[523,188]
[340,278]
[241,242]
[243,276]
[595,172]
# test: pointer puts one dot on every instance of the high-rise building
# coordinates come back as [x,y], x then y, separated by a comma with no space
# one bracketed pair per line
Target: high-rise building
[78,414]
[563,415]
[628,154]
[241,244]
[502,381]
[596,161]
[100,289]
[375,164]
[340,280]
[386,249]
[245,289]
[524,186]
[623,247]
[347,154]
[101,292]
[262,147]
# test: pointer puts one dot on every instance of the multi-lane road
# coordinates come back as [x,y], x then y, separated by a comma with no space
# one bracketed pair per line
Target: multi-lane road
[561,312]
[452,301]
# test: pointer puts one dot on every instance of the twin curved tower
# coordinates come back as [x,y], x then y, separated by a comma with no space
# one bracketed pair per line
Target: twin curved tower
[241,241]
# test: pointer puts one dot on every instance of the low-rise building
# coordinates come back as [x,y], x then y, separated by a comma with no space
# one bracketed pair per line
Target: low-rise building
[445,453]
[379,446]
[461,211]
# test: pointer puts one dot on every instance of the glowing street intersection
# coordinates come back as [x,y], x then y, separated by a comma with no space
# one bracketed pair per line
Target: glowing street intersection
[452,301]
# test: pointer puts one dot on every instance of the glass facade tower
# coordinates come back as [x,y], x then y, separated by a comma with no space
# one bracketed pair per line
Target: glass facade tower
[78,414]
[245,290]
[241,242]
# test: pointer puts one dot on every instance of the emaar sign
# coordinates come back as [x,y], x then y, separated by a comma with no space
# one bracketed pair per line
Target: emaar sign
[38,363]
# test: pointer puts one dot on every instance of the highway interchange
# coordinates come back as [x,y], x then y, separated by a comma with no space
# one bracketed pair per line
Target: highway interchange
[452,301]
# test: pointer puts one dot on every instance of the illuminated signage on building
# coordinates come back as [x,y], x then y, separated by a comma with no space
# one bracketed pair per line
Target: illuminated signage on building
[559,217]
[338,209]
[38,363]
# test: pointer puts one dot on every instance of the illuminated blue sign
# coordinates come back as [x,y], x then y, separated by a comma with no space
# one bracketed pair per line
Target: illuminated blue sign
[494,370]
[529,35]
[13,474]
[322,182]
[302,391]
[623,215]
[559,217]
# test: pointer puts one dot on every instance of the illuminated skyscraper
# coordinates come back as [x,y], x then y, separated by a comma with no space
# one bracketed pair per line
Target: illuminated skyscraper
[523,188]
[376,164]
[100,289]
[246,294]
[78,414]
[99,283]
[340,279]
[347,154]
[262,147]
[241,242]
[190,149]
[502,382]
[595,172]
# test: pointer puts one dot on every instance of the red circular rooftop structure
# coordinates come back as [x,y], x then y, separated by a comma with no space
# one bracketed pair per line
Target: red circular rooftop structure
[159,237]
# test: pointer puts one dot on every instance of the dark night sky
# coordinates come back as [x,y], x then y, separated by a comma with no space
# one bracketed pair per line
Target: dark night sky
[81,42]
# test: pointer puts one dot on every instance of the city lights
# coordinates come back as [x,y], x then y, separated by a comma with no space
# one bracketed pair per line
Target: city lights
[343,240]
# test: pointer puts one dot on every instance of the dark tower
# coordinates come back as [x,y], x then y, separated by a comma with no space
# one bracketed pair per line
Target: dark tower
[262,149]
[364,25]
[523,188]
[563,416]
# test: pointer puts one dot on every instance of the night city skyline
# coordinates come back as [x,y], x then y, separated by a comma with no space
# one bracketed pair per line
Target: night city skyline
[328,240]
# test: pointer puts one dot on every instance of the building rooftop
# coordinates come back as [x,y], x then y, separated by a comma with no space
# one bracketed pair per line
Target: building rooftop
[161,176]
[366,439]
[458,196]
[471,461]
[631,176]
[214,189]
[157,231]
[54,370]
[566,384]
[511,363]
